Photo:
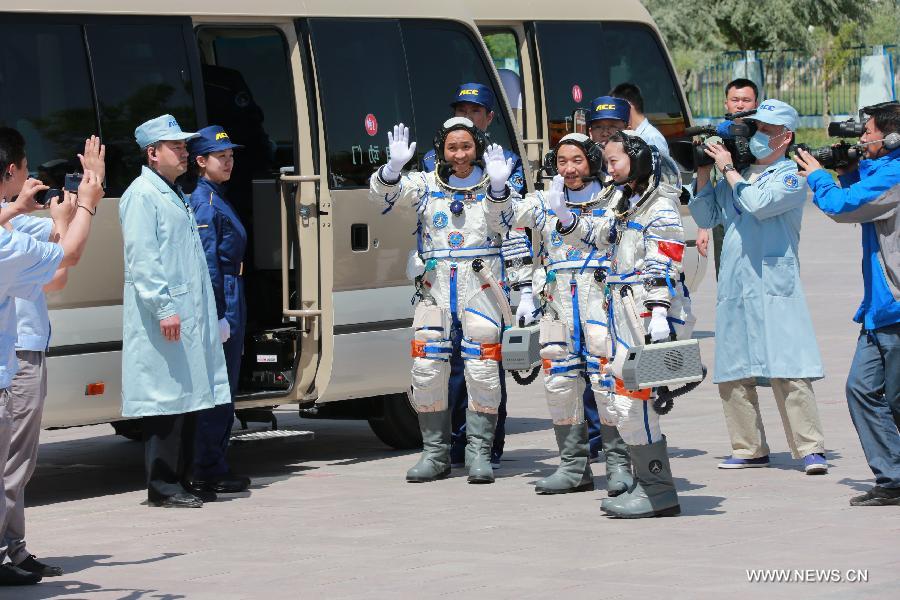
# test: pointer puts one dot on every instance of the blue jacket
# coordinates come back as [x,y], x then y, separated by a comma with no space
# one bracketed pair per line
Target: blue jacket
[224,241]
[860,188]
[763,327]
[516,178]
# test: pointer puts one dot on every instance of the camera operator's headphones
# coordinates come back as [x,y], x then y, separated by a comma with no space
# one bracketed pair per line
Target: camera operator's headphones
[591,149]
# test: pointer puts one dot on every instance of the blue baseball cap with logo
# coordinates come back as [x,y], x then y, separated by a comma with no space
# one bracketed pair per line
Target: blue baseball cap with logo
[476,94]
[210,139]
[607,107]
[161,129]
[776,112]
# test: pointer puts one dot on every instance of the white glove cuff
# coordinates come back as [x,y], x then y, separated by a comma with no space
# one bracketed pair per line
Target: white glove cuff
[389,174]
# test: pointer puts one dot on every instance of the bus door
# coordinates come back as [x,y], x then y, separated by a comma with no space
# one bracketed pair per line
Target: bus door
[255,87]
[516,64]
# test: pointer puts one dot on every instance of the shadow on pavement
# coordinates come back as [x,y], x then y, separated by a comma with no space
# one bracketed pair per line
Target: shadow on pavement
[60,588]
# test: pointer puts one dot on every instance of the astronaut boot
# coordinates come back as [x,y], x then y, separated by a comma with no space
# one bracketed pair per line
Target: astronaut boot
[618,462]
[435,461]
[654,492]
[574,472]
[479,441]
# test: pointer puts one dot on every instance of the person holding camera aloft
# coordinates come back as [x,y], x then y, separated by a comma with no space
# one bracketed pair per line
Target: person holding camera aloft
[870,194]
[35,254]
[763,329]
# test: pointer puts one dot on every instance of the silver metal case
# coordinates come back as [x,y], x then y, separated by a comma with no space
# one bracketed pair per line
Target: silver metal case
[666,363]
[521,349]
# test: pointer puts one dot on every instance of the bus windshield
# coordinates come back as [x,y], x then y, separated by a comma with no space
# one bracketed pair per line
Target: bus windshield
[610,54]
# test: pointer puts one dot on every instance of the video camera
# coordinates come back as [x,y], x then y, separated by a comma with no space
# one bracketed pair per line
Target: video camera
[832,157]
[733,135]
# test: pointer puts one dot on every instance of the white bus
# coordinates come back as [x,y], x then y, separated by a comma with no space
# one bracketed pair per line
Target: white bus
[309,89]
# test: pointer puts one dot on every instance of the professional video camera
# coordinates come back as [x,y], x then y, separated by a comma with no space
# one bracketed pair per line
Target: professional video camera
[733,135]
[838,156]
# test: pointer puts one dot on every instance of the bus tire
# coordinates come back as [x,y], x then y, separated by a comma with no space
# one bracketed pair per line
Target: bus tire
[129,429]
[398,426]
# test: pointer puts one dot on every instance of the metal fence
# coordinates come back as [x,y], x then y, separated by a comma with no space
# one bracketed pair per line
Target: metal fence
[790,75]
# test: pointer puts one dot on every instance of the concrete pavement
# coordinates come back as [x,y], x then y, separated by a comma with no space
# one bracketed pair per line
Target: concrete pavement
[333,518]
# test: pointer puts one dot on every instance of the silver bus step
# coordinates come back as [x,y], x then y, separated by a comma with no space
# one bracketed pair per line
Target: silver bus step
[260,435]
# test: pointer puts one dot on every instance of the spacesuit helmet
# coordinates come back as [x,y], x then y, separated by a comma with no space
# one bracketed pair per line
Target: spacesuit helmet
[644,158]
[591,149]
[456,124]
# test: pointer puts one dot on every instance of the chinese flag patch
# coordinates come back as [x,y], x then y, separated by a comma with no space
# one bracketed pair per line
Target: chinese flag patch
[673,250]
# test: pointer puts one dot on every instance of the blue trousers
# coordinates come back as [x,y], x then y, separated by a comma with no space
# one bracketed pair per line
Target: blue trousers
[592,416]
[873,397]
[213,425]
[458,400]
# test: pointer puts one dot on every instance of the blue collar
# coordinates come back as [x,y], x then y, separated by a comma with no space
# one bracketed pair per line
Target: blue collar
[218,188]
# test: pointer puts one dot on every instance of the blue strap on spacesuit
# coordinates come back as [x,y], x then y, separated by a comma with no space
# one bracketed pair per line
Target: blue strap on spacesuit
[458,196]
[576,318]
[453,296]
[476,252]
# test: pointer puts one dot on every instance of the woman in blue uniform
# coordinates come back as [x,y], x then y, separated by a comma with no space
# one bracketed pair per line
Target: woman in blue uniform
[224,240]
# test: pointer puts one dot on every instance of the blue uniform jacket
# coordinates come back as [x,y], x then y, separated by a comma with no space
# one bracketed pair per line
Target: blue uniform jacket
[516,178]
[224,241]
[874,177]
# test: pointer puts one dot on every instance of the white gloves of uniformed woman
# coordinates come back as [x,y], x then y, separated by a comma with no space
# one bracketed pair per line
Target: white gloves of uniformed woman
[526,308]
[659,324]
[224,330]
[400,152]
[498,168]
[556,198]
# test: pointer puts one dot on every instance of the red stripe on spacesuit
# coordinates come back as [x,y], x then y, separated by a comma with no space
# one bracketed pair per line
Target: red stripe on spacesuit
[673,250]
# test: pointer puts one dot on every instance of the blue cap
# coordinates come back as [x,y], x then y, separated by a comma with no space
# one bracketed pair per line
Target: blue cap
[476,94]
[160,129]
[607,107]
[210,139]
[776,112]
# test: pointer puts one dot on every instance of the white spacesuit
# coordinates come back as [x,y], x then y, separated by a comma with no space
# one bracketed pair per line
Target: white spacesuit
[569,343]
[644,295]
[460,279]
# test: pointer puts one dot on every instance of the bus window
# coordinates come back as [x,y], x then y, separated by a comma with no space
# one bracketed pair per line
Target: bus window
[140,71]
[614,53]
[433,86]
[45,93]
[365,90]
[503,46]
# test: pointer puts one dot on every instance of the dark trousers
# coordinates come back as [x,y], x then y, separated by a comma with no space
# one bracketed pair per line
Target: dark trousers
[213,428]
[873,397]
[592,416]
[168,444]
[458,400]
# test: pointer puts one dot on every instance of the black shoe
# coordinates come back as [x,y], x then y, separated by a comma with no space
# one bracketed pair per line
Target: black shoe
[33,565]
[878,496]
[13,575]
[201,489]
[178,501]
[229,483]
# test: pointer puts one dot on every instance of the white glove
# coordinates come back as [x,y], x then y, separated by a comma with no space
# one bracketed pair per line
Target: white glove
[556,198]
[619,407]
[526,308]
[224,330]
[498,168]
[659,324]
[400,151]
[605,409]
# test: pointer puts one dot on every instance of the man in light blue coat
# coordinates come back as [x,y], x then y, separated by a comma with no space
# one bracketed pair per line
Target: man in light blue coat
[172,359]
[764,334]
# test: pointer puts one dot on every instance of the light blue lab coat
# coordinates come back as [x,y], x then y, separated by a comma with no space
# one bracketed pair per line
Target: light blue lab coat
[763,327]
[166,274]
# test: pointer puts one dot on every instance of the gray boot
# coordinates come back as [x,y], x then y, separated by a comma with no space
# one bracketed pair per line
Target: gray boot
[574,472]
[618,462]
[479,440]
[435,461]
[654,493]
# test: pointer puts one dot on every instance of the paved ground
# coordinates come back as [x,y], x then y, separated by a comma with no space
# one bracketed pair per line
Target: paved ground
[333,518]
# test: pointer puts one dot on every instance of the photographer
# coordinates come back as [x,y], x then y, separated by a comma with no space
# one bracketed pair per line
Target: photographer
[763,328]
[869,195]
[30,264]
